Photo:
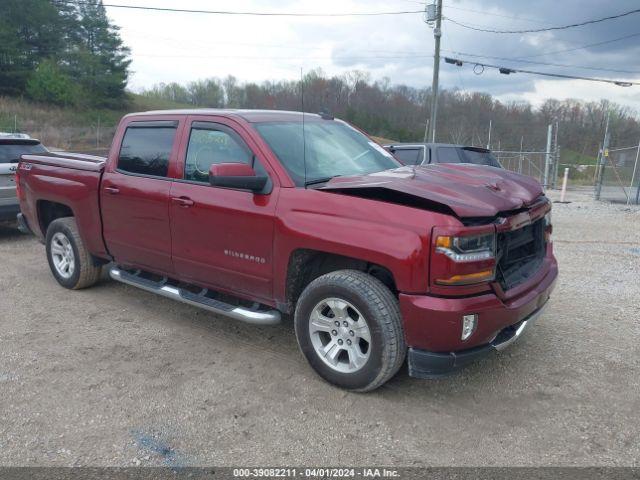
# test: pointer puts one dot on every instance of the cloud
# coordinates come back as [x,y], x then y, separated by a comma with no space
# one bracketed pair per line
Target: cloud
[183,47]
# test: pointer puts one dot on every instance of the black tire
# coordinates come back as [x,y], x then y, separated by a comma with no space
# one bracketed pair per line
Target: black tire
[382,313]
[85,272]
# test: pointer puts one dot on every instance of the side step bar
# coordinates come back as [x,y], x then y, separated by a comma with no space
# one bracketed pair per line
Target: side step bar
[257,317]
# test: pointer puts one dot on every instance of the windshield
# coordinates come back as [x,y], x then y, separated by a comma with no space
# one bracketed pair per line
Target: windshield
[11,152]
[331,148]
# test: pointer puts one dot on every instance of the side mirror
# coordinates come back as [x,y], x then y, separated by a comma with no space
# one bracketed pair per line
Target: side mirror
[236,175]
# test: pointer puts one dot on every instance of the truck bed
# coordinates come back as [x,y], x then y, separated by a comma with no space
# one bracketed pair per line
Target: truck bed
[52,180]
[75,161]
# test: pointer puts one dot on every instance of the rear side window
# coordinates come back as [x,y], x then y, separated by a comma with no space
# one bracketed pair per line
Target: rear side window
[448,155]
[10,153]
[409,156]
[146,150]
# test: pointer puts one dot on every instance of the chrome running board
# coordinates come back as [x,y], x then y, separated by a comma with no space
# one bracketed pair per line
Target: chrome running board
[255,316]
[504,338]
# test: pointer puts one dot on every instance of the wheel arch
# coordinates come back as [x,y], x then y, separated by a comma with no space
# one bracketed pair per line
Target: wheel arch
[48,211]
[305,265]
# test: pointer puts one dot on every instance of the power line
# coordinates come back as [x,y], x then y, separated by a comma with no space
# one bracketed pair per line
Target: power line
[511,17]
[246,13]
[508,71]
[519,60]
[377,54]
[386,54]
[583,46]
[287,57]
[547,29]
[484,12]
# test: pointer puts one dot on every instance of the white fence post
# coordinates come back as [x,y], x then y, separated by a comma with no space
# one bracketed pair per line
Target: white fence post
[564,185]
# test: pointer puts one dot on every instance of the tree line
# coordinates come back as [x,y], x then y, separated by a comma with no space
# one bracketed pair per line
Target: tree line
[62,52]
[66,52]
[400,112]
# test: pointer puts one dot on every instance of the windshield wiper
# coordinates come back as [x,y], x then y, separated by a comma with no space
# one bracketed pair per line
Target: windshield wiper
[316,181]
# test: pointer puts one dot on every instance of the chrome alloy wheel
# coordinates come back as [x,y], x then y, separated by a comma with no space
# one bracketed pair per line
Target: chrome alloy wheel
[62,255]
[340,335]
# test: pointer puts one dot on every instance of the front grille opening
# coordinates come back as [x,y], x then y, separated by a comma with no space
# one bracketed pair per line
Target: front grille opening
[520,254]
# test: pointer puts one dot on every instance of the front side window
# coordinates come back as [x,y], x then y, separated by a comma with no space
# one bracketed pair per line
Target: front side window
[325,149]
[479,157]
[213,145]
[409,156]
[448,155]
[146,150]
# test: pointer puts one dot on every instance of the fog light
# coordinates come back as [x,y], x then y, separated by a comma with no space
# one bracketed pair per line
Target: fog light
[469,323]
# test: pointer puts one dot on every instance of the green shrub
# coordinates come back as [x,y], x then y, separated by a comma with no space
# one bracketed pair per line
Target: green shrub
[49,84]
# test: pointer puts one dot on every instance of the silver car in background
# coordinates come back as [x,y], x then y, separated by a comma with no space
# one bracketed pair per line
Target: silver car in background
[12,145]
[430,153]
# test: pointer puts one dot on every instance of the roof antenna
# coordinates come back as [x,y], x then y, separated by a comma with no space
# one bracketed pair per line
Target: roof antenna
[304,139]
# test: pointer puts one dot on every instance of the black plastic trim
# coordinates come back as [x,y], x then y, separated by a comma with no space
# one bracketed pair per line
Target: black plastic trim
[9,212]
[154,124]
[424,364]
[23,225]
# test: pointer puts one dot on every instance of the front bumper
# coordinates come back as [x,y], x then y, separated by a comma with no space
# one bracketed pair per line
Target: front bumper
[425,364]
[433,325]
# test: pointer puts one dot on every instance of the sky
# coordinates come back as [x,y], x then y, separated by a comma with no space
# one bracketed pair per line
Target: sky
[182,47]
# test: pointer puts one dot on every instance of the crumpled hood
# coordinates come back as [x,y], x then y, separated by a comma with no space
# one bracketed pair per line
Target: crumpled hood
[469,190]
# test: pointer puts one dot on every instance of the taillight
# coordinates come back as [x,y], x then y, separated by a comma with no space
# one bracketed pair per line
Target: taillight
[463,259]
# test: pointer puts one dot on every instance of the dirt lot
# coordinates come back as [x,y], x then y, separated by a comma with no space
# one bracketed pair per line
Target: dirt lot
[116,376]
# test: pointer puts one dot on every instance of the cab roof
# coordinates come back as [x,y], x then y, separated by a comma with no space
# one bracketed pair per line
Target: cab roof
[251,116]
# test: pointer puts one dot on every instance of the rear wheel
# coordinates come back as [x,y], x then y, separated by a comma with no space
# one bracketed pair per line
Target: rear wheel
[349,328]
[69,260]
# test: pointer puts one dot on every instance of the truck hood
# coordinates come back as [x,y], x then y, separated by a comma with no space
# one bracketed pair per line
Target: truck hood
[467,190]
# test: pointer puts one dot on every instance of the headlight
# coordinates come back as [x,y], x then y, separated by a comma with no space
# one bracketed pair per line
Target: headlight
[467,249]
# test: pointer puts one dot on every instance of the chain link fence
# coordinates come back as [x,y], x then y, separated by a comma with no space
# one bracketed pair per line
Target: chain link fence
[92,138]
[616,176]
[619,176]
[526,163]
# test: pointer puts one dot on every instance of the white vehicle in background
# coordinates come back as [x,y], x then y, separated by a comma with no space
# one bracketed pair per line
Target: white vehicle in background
[12,146]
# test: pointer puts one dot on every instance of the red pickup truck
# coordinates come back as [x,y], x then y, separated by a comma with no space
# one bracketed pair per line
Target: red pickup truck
[256,214]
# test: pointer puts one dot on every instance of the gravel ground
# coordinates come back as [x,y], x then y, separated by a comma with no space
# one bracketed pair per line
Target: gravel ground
[115,376]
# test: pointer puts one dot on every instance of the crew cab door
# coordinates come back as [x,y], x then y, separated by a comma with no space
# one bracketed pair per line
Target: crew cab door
[134,195]
[222,237]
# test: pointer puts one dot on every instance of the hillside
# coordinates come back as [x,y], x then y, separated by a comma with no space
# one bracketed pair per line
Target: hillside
[83,130]
[70,128]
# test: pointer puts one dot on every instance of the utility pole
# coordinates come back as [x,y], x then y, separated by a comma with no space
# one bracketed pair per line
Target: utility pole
[489,140]
[437,34]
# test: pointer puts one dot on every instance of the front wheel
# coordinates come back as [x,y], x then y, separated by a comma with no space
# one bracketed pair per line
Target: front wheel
[69,260]
[349,328]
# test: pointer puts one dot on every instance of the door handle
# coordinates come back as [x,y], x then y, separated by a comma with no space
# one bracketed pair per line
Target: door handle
[183,201]
[112,190]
